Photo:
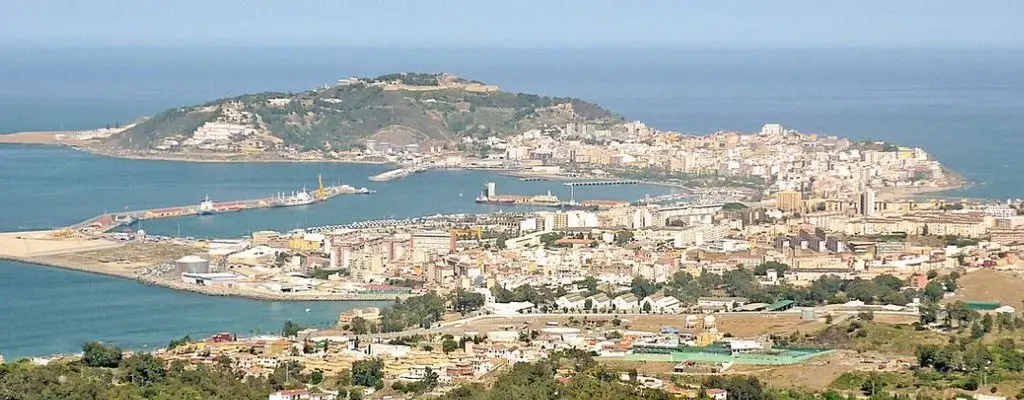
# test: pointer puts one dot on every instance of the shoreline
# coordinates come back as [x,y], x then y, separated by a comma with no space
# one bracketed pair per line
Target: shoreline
[215,291]
[111,154]
[50,138]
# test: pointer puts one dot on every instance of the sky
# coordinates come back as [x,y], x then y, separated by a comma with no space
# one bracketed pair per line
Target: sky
[515,23]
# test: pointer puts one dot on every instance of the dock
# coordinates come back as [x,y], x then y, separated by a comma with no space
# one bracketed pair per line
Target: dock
[397,173]
[601,183]
[110,221]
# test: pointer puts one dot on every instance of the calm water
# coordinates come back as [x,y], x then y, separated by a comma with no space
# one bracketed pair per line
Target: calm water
[52,186]
[46,310]
[964,107]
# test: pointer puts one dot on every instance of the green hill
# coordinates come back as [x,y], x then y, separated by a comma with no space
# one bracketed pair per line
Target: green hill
[397,108]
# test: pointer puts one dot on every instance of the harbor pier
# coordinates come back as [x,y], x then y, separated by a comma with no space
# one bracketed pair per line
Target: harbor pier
[601,183]
[110,221]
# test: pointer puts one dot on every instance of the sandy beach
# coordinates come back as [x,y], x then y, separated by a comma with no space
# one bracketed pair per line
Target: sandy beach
[23,245]
[42,137]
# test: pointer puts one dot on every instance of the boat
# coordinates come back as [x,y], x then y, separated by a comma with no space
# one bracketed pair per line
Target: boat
[483,199]
[206,206]
[296,199]
[545,199]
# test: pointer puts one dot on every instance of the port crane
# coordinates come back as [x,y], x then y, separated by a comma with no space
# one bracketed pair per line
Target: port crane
[321,193]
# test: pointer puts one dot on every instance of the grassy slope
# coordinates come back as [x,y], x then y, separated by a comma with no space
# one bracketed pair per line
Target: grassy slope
[316,118]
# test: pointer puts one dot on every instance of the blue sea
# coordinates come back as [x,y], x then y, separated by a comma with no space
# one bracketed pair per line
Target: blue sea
[966,107]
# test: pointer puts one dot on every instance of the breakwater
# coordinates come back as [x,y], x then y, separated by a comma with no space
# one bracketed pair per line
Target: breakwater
[177,284]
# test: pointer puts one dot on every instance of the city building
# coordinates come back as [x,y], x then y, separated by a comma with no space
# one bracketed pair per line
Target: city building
[789,200]
[867,206]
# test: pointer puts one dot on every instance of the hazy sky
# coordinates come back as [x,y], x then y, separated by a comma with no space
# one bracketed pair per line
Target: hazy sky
[516,23]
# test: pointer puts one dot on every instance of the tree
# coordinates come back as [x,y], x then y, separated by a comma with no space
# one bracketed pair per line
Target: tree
[934,291]
[449,345]
[929,314]
[143,369]
[623,237]
[420,311]
[290,329]
[647,307]
[590,283]
[588,304]
[430,378]
[316,377]
[359,326]
[368,373]
[179,342]
[466,301]
[874,384]
[762,269]
[642,287]
[95,354]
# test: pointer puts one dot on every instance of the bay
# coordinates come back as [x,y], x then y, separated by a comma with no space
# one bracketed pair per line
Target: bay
[47,310]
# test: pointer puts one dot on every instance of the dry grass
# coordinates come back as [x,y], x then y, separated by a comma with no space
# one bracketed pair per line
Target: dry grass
[739,325]
[816,374]
[991,285]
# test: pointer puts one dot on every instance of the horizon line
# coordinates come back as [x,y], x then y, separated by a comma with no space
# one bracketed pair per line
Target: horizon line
[480,47]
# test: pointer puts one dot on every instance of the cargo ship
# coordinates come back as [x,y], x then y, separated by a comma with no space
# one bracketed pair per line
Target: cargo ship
[483,199]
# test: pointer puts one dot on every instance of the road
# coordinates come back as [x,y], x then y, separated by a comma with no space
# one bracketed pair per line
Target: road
[463,325]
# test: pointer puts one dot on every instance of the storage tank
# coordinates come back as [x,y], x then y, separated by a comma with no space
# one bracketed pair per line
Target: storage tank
[808,314]
[192,265]
[709,322]
[691,322]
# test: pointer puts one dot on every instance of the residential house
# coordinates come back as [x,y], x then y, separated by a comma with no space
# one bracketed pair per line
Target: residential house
[721,303]
[301,394]
[716,394]
[573,301]
[600,301]
[626,303]
[660,303]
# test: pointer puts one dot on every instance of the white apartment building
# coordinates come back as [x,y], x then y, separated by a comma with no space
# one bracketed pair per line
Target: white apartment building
[213,132]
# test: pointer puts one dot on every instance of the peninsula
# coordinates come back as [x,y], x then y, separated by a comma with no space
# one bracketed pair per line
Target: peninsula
[428,121]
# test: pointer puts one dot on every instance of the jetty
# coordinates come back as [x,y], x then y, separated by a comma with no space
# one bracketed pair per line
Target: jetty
[601,183]
[110,221]
[397,173]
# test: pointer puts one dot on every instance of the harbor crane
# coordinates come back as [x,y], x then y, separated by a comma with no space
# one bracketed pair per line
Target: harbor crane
[321,193]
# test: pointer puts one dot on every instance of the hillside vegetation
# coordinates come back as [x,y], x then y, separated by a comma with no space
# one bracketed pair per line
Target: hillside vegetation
[397,108]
